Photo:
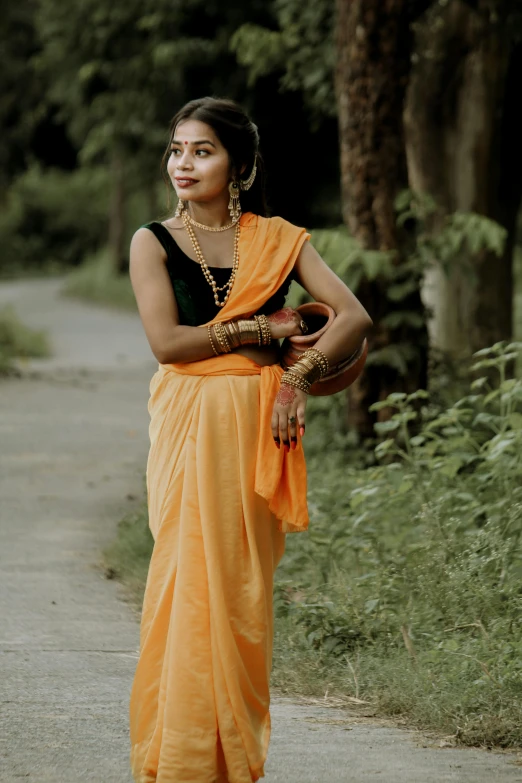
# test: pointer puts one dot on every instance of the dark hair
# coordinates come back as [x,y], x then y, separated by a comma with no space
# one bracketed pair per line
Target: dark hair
[239,136]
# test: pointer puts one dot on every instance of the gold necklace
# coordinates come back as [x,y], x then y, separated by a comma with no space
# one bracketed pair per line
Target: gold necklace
[204,266]
[209,228]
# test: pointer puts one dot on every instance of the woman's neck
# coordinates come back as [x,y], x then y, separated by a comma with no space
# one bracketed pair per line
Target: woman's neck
[213,214]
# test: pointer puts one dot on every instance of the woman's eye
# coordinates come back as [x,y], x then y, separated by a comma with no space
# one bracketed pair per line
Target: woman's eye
[174,151]
[206,152]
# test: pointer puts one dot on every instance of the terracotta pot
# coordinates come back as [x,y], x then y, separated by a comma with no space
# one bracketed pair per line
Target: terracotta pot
[319,317]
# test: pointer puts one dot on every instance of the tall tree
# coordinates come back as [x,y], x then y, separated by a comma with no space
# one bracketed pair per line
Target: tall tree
[374,46]
[464,128]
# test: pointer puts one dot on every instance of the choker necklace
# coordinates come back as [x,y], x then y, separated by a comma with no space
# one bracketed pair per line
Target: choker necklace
[210,228]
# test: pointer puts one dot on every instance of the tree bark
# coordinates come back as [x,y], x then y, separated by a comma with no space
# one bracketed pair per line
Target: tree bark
[373,64]
[463,133]
[117,215]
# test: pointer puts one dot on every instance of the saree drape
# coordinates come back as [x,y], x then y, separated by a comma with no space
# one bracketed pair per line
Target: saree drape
[221,498]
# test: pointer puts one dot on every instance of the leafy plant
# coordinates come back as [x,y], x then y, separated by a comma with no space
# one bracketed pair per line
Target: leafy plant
[18,341]
[419,558]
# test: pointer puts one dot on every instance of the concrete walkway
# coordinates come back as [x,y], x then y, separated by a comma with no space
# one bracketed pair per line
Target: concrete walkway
[74,441]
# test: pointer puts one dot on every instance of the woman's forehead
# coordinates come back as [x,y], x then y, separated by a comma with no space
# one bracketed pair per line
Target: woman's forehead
[192,131]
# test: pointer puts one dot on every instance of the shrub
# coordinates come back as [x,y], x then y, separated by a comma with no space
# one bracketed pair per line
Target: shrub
[96,281]
[415,565]
[52,217]
[18,341]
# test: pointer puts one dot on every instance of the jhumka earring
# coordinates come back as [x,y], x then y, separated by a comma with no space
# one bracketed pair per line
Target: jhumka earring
[244,184]
[234,207]
[182,205]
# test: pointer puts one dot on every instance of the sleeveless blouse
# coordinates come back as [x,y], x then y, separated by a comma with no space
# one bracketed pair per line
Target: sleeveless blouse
[194,296]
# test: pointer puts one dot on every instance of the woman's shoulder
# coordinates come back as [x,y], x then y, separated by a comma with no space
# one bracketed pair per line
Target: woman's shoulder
[275,222]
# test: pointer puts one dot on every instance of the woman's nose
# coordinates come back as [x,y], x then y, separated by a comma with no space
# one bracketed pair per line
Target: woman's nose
[184,161]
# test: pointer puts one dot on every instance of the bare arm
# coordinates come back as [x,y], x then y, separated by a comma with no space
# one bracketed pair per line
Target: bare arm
[170,342]
[352,323]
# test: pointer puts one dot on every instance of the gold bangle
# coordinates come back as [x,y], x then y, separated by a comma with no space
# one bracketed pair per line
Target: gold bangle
[318,357]
[224,335]
[295,380]
[248,331]
[233,335]
[264,326]
[310,372]
[221,335]
[209,330]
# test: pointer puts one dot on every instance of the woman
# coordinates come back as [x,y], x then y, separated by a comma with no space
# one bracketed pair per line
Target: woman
[226,476]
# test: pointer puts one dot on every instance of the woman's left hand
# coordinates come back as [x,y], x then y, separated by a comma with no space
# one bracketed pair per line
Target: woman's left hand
[288,416]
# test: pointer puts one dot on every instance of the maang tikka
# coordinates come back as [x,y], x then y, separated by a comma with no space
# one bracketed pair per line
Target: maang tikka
[234,207]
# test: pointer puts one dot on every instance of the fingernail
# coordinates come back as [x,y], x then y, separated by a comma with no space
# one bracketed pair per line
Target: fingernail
[277,442]
[287,446]
[294,442]
[302,431]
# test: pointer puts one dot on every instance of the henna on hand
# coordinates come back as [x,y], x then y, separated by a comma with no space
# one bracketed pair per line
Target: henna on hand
[284,316]
[286,395]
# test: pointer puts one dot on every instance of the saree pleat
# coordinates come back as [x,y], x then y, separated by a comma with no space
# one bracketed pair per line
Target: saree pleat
[210,582]
[221,498]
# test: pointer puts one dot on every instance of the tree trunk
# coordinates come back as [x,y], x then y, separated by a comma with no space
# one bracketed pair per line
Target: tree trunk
[117,212]
[463,133]
[373,64]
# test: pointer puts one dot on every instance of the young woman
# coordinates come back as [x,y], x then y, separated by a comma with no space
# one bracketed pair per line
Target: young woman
[226,476]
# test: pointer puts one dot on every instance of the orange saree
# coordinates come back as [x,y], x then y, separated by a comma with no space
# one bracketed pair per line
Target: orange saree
[221,498]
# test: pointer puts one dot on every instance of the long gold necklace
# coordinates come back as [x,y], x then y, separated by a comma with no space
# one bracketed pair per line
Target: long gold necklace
[204,266]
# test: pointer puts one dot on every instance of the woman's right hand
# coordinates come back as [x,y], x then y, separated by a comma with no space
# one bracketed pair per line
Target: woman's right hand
[285,323]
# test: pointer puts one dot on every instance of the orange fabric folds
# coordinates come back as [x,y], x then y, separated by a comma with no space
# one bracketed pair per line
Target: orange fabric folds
[221,498]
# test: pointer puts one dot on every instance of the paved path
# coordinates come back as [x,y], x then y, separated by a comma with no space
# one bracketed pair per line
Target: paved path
[73,448]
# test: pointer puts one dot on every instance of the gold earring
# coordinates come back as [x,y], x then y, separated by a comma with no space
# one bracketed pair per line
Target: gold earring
[246,184]
[180,208]
[234,206]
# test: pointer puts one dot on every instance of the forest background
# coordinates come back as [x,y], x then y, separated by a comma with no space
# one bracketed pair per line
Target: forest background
[392,131]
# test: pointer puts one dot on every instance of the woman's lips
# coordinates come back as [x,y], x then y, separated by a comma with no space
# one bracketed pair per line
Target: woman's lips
[185,182]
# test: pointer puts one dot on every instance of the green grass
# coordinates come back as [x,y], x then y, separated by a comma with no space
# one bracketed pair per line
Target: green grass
[96,281]
[17,341]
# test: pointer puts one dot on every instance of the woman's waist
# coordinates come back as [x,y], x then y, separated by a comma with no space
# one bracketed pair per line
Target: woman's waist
[247,360]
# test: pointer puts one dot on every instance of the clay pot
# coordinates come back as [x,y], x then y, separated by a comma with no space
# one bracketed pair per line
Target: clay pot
[319,317]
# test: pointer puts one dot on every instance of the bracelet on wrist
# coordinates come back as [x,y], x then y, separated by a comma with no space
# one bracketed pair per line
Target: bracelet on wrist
[209,330]
[264,328]
[222,338]
[249,331]
[319,358]
[298,381]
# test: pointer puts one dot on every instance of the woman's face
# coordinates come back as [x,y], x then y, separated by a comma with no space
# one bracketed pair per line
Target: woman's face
[199,165]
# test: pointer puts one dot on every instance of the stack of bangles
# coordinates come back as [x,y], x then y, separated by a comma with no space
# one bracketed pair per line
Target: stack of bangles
[224,337]
[310,367]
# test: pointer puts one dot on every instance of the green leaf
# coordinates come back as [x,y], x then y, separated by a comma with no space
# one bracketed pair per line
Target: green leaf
[515,420]
[381,427]
[479,383]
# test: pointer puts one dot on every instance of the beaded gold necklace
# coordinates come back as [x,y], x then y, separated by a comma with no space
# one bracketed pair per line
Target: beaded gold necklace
[204,266]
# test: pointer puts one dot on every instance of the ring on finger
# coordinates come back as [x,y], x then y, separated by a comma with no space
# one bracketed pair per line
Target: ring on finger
[291,419]
[304,326]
